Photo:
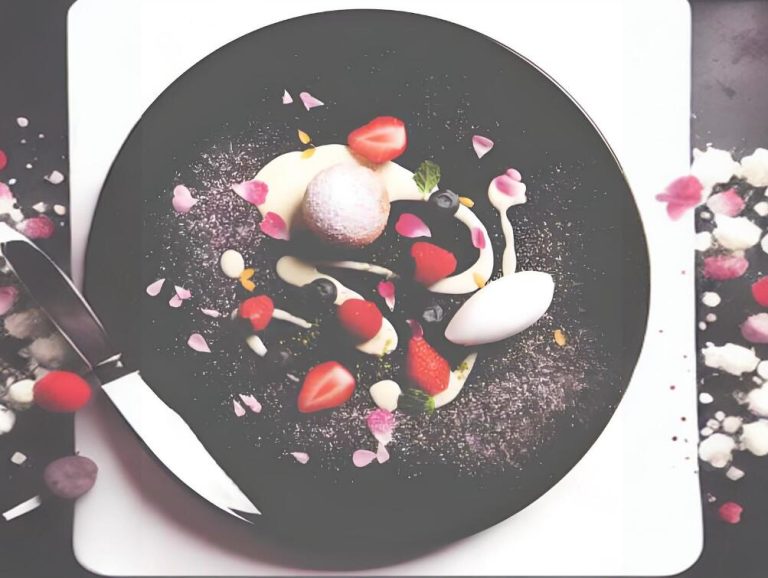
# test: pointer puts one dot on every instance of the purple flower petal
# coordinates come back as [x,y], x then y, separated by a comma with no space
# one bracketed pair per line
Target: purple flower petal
[239,411]
[153,289]
[387,291]
[8,295]
[362,458]
[411,226]
[182,199]
[309,101]
[482,145]
[198,343]
[478,238]
[301,457]
[287,98]
[255,192]
[273,226]
[251,403]
[381,423]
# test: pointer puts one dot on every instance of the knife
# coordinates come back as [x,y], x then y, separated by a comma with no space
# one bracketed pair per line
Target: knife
[161,429]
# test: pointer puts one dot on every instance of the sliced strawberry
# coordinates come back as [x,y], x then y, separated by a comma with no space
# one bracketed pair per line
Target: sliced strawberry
[258,310]
[432,263]
[425,367]
[381,140]
[327,385]
[361,318]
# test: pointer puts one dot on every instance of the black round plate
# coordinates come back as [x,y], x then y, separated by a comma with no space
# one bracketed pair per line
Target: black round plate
[540,405]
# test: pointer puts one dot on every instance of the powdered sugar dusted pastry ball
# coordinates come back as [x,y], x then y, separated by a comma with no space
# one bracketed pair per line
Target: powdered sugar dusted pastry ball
[346,204]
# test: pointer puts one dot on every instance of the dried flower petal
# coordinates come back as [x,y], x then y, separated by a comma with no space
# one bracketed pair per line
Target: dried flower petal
[308,153]
[154,288]
[410,226]
[8,295]
[382,454]
[478,238]
[198,343]
[381,423]
[182,199]
[251,403]
[386,290]
[183,294]
[37,227]
[362,458]
[210,312]
[755,328]
[482,145]
[254,192]
[467,202]
[479,281]
[680,195]
[722,267]
[239,410]
[245,279]
[309,101]
[274,226]
[304,137]
[560,338]
[301,457]
[287,98]
[727,203]
[175,301]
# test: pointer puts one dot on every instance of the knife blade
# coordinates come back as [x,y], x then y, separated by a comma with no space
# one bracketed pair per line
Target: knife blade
[159,427]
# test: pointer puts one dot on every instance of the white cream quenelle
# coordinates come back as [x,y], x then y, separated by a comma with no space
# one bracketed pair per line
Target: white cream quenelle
[296,272]
[289,175]
[509,305]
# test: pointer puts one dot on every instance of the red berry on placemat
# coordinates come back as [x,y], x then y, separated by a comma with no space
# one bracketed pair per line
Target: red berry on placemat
[730,512]
[361,318]
[760,291]
[381,140]
[3,159]
[258,310]
[432,263]
[327,385]
[425,367]
[61,392]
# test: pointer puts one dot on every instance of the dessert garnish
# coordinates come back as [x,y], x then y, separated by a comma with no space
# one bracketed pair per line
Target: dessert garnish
[386,289]
[182,199]
[258,311]
[360,318]
[61,392]
[385,394]
[425,367]
[427,176]
[446,202]
[410,226]
[198,343]
[482,145]
[325,386]
[431,263]
[381,140]
[309,101]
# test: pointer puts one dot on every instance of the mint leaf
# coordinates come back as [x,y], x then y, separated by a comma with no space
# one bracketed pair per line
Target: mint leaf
[427,176]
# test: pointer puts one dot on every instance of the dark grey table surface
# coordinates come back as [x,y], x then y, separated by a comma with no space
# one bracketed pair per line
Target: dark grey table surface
[730,110]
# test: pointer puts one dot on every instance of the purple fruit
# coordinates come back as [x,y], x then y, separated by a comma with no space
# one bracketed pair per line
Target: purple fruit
[70,477]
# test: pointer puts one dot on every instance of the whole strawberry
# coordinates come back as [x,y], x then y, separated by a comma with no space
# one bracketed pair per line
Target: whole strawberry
[362,319]
[431,263]
[258,311]
[425,367]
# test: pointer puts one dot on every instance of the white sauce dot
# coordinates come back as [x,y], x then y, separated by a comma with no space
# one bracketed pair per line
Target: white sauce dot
[706,398]
[22,122]
[710,299]
[232,263]
[711,318]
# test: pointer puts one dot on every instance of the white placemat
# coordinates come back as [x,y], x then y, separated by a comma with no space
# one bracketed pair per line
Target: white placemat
[631,506]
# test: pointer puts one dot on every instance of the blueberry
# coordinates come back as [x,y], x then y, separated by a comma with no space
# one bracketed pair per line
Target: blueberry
[321,291]
[433,314]
[279,357]
[445,201]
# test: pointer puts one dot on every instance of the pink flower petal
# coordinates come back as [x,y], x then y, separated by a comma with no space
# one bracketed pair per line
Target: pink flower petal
[478,238]
[182,293]
[5,192]
[239,411]
[381,423]
[175,302]
[153,289]
[382,454]
[301,457]
[680,195]
[273,226]
[724,267]
[8,295]
[198,343]
[287,98]
[309,101]
[411,226]
[255,192]
[182,199]
[511,187]
[387,291]
[362,458]
[37,227]
[514,174]
[727,203]
[251,403]
[755,328]
[482,145]
[417,330]
[210,312]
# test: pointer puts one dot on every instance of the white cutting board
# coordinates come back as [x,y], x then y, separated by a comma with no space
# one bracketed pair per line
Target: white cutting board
[631,506]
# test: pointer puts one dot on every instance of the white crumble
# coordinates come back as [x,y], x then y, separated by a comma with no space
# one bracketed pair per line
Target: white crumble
[731,358]
[734,473]
[719,415]
[713,166]
[761,208]
[754,168]
[18,458]
[703,241]
[732,424]
[706,398]
[702,325]
[55,177]
[762,369]
[711,318]
[60,210]
[764,244]
[736,233]
[23,122]
[12,182]
[717,450]
[711,299]
[706,215]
